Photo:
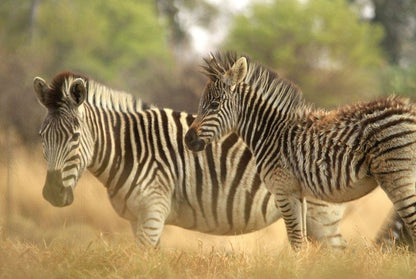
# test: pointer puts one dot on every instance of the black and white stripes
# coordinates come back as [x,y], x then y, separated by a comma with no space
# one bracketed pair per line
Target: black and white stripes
[138,153]
[335,156]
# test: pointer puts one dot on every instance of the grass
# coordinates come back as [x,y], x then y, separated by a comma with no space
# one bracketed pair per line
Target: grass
[118,258]
[89,240]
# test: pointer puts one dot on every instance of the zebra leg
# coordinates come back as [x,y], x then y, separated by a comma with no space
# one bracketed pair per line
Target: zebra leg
[286,189]
[394,233]
[292,211]
[400,188]
[150,222]
[323,222]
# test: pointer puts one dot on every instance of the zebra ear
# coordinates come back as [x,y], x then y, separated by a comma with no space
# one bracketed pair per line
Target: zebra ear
[41,89]
[78,91]
[237,73]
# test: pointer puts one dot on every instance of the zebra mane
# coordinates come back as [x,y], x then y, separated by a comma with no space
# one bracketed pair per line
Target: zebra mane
[98,95]
[273,87]
[55,96]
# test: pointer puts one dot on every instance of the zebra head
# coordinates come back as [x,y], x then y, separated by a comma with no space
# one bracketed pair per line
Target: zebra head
[217,112]
[67,143]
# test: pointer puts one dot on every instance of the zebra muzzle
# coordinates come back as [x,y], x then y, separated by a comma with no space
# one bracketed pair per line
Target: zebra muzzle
[193,142]
[54,190]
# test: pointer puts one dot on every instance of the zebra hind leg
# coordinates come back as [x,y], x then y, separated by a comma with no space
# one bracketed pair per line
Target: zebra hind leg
[394,233]
[400,188]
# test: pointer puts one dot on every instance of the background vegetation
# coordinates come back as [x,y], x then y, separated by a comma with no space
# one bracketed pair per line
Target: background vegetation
[337,51]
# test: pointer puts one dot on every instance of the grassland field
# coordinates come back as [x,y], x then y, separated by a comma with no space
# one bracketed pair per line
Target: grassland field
[88,239]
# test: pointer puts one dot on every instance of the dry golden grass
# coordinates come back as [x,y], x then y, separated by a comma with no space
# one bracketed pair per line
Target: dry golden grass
[88,240]
[115,258]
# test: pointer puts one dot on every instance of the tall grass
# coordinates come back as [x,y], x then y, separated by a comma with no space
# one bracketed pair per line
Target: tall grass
[89,240]
[118,258]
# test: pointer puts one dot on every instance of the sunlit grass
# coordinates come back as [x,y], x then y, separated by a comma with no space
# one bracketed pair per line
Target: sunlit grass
[118,258]
[89,240]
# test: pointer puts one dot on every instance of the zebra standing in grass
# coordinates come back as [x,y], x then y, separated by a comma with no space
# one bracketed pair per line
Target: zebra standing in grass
[394,233]
[151,178]
[335,156]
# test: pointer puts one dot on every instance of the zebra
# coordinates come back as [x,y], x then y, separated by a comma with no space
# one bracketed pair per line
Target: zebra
[152,180]
[335,156]
[394,233]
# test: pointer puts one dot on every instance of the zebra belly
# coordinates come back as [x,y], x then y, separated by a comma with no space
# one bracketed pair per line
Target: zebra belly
[353,191]
[263,212]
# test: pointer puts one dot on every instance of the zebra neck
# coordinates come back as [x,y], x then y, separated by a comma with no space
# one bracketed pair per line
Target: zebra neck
[260,116]
[261,123]
[107,118]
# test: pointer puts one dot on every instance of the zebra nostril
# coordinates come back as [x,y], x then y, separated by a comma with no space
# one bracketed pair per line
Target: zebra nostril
[190,136]
[55,192]
[193,142]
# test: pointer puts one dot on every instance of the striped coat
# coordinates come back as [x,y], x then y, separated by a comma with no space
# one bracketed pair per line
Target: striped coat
[336,156]
[138,154]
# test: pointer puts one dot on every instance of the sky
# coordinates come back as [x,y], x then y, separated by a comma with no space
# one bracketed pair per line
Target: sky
[203,40]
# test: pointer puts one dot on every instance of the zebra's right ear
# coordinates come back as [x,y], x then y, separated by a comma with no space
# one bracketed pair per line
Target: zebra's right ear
[41,89]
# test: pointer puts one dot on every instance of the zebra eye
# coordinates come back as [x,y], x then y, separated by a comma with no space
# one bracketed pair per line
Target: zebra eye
[214,105]
[75,136]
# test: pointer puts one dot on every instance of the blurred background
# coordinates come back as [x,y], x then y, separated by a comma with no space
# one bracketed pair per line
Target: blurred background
[337,51]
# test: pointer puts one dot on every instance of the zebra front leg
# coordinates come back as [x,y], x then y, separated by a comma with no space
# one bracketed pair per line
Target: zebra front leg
[293,214]
[286,189]
[150,223]
[287,193]
[323,222]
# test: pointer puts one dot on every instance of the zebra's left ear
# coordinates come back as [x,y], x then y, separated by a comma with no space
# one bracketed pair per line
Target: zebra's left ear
[237,73]
[78,91]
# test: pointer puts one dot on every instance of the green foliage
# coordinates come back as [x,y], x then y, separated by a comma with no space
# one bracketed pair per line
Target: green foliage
[15,22]
[399,80]
[120,43]
[319,44]
[398,18]
[102,38]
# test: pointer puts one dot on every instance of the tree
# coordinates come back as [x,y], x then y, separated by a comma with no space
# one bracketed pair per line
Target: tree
[180,15]
[115,42]
[398,19]
[320,44]
[103,38]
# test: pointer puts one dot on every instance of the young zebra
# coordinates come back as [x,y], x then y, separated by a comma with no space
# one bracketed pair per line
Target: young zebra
[335,156]
[394,233]
[151,178]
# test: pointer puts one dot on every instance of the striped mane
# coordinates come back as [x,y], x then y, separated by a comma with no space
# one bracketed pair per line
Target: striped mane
[98,95]
[273,88]
[102,96]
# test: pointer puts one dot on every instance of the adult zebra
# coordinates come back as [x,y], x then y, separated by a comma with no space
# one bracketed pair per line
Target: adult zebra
[336,156]
[151,178]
